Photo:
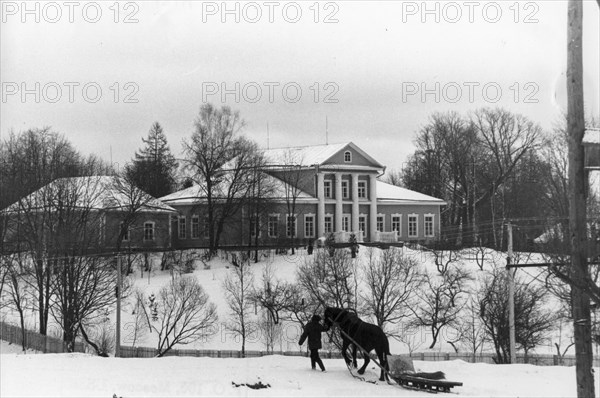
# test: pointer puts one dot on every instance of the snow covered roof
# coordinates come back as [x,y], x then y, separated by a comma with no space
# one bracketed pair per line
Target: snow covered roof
[94,192]
[311,155]
[389,192]
[197,193]
[304,155]
[592,136]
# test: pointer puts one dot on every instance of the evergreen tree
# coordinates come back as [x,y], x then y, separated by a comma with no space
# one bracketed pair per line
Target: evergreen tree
[153,169]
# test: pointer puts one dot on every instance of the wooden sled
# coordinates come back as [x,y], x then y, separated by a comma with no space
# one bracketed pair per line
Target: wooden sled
[420,383]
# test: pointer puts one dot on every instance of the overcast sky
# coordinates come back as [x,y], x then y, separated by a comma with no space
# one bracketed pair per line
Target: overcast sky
[365,70]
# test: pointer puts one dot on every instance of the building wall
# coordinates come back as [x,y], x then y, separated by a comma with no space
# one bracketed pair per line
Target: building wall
[162,235]
[405,210]
[364,176]
[237,230]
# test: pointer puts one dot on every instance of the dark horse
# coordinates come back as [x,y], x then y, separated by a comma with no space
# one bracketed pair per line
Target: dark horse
[370,337]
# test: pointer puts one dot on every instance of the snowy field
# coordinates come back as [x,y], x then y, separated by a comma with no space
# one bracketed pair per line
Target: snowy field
[81,375]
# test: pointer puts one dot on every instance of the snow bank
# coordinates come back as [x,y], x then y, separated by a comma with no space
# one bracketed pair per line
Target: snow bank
[80,375]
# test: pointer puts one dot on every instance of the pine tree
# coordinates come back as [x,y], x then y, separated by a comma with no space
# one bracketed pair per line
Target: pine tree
[153,167]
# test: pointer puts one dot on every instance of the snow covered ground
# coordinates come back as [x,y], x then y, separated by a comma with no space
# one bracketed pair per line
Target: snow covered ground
[31,375]
[81,375]
[285,268]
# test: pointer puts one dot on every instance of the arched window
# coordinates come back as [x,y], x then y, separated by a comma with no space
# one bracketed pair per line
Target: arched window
[347,156]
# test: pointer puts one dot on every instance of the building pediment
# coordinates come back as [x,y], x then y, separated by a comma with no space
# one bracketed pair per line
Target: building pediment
[345,154]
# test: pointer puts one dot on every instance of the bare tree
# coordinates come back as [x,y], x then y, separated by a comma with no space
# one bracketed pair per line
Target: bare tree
[328,280]
[441,301]
[394,177]
[16,296]
[81,280]
[392,280]
[471,333]
[275,296]
[506,138]
[532,320]
[238,286]
[218,158]
[258,201]
[270,331]
[184,314]
[561,350]
[444,256]
[293,176]
[141,324]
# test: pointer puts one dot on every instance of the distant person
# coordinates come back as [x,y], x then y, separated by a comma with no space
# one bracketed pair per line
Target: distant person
[313,331]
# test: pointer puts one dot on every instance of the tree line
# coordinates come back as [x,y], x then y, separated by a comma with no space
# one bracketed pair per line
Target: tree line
[490,166]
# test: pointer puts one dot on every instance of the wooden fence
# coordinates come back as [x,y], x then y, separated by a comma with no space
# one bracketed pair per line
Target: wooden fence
[47,344]
[36,341]
[146,352]
[538,359]
[532,359]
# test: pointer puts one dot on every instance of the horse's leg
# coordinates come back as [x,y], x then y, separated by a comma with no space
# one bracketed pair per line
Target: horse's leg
[367,360]
[345,344]
[354,355]
[384,365]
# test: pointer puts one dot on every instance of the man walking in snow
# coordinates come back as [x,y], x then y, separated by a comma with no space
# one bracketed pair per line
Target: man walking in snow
[312,331]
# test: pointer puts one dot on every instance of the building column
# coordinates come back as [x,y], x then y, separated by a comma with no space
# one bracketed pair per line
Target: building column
[355,203]
[321,206]
[338,202]
[373,207]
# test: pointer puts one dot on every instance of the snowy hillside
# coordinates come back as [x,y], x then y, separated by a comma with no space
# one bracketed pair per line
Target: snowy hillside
[284,267]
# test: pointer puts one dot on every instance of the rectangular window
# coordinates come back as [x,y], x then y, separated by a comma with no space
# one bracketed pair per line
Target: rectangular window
[380,222]
[149,231]
[327,188]
[413,230]
[253,227]
[273,226]
[290,225]
[362,189]
[126,235]
[182,227]
[328,227]
[206,228]
[428,225]
[346,222]
[195,227]
[309,226]
[362,223]
[397,223]
[345,191]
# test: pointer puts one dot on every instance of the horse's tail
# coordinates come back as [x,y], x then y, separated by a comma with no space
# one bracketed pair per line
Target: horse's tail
[387,346]
[386,352]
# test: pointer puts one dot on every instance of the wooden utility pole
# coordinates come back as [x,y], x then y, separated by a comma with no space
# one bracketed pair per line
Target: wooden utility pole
[580,300]
[118,293]
[511,298]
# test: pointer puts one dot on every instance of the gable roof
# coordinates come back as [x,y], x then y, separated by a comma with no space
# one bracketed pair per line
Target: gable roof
[93,192]
[311,155]
[392,193]
[196,193]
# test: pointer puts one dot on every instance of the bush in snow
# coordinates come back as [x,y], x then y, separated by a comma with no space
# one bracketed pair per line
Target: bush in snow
[184,314]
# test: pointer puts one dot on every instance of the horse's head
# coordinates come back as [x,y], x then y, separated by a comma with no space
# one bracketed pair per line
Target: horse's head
[332,315]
